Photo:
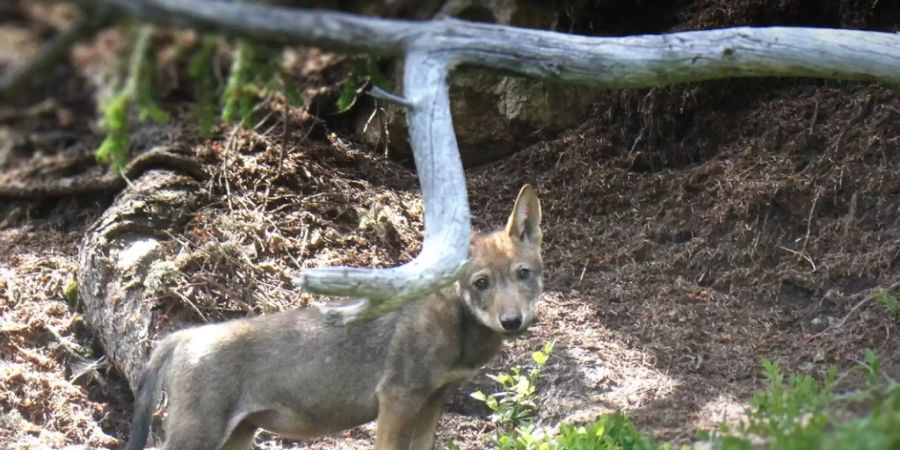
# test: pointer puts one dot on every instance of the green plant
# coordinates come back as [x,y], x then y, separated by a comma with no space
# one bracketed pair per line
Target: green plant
[514,405]
[363,72]
[803,414]
[513,409]
[201,72]
[880,427]
[70,291]
[137,91]
[254,71]
[888,300]
[790,412]
[794,412]
[608,432]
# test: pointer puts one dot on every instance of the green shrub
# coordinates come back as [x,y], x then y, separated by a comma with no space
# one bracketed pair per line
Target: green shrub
[608,432]
[794,412]
[804,414]
[514,405]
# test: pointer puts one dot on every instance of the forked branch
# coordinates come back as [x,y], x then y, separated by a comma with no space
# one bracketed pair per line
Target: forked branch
[433,49]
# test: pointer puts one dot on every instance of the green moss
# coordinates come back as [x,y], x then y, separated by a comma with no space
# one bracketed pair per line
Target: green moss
[70,291]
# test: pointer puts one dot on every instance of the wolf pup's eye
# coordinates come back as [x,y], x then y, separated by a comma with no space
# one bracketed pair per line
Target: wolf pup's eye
[481,283]
[523,273]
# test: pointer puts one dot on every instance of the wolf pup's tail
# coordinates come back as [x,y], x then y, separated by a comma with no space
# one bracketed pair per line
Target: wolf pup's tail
[148,395]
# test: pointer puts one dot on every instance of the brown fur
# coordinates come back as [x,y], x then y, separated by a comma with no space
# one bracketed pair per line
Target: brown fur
[291,374]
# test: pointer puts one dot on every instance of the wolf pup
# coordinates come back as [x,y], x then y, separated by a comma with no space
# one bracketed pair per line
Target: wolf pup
[293,375]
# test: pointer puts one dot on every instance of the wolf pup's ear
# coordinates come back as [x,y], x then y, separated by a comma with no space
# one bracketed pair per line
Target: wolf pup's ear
[524,223]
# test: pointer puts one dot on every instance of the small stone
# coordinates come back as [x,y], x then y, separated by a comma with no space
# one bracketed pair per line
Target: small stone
[818,324]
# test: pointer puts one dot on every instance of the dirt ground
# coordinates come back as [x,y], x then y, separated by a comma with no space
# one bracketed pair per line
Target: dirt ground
[689,232]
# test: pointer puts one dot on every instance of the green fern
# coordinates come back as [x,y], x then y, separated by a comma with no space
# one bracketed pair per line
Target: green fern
[200,69]
[236,86]
[114,148]
[138,92]
[254,71]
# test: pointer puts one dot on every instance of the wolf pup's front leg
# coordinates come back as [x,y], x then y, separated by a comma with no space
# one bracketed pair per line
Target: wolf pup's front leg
[398,408]
[427,421]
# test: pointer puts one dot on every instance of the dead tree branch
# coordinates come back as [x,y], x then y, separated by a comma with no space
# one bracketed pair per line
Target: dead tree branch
[433,49]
